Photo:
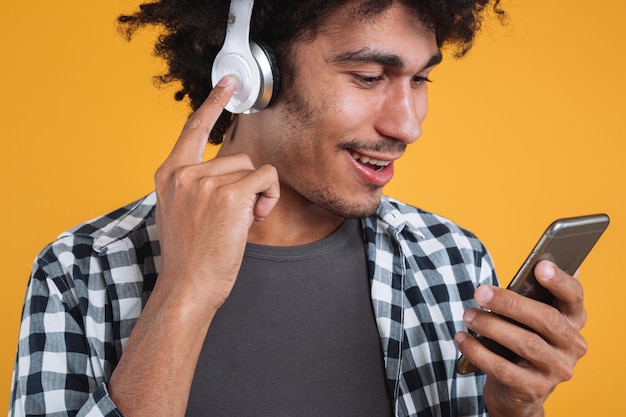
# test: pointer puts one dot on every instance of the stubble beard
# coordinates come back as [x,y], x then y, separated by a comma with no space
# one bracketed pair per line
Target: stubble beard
[301,115]
[348,209]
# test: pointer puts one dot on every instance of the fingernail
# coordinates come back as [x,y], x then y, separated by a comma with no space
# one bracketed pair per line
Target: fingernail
[548,271]
[460,337]
[483,295]
[469,316]
[225,81]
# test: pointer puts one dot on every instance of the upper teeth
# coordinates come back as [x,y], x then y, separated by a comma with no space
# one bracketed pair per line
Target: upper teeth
[372,161]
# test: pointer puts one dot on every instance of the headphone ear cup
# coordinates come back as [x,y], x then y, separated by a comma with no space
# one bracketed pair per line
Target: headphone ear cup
[236,59]
[253,65]
[269,71]
[243,66]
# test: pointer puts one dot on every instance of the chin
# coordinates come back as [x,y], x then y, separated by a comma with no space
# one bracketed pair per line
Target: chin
[344,203]
[352,208]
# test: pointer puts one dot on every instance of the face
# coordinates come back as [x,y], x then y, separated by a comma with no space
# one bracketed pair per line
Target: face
[357,100]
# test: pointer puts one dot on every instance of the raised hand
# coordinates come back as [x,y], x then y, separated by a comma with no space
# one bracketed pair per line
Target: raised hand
[205,209]
[549,354]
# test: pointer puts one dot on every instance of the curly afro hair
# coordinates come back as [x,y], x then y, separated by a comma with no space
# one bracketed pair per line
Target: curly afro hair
[192,33]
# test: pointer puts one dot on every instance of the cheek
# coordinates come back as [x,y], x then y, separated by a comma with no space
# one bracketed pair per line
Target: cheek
[351,112]
[421,104]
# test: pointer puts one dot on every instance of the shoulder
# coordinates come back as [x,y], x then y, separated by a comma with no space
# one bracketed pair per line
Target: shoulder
[74,251]
[118,224]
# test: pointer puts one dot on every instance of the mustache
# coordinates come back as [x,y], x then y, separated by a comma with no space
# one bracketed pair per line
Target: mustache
[383,145]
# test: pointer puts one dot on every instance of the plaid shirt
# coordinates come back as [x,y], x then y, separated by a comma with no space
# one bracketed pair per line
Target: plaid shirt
[88,288]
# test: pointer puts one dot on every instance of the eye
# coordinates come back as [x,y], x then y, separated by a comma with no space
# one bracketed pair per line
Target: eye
[367,80]
[418,80]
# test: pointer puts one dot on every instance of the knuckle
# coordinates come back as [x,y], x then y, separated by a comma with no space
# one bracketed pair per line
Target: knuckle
[267,174]
[556,323]
[195,124]
[566,373]
[541,390]
[581,321]
[564,369]
[561,371]
[580,347]
[207,185]
[271,170]
[230,196]
[161,176]
[578,295]
[561,280]
[510,302]
[570,289]
[534,346]
[215,97]
[182,176]
[503,372]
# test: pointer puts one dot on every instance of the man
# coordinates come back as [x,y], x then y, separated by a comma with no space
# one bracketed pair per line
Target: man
[276,279]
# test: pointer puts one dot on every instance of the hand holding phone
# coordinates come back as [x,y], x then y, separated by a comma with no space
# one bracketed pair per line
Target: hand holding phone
[566,242]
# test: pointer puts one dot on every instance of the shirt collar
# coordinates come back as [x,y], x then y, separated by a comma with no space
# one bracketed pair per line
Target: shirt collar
[399,216]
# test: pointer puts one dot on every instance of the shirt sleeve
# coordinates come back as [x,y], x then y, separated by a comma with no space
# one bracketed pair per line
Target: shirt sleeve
[58,371]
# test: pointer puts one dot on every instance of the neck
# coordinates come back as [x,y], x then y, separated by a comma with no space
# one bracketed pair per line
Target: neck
[294,220]
[293,224]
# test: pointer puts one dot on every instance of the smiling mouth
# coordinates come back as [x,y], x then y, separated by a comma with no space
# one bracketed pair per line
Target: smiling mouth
[375,164]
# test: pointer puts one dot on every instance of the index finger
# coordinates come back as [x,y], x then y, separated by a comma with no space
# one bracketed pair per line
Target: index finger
[189,147]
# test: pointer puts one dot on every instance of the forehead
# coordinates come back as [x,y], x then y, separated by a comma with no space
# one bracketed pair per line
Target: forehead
[396,30]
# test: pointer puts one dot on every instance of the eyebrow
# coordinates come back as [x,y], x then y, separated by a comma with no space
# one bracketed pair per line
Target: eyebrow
[367,55]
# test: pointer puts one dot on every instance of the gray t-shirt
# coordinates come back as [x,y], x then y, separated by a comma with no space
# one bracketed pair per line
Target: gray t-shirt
[296,337]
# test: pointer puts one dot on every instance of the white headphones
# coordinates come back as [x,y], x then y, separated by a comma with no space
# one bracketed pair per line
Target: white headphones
[247,61]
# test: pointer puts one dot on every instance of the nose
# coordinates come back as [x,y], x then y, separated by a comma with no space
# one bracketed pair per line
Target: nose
[402,113]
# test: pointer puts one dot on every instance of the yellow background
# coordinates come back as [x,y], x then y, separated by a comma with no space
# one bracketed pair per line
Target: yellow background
[527,128]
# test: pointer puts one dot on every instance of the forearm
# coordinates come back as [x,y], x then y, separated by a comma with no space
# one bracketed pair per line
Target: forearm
[154,375]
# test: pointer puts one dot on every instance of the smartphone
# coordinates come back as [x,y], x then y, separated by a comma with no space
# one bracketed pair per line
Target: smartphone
[566,242]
